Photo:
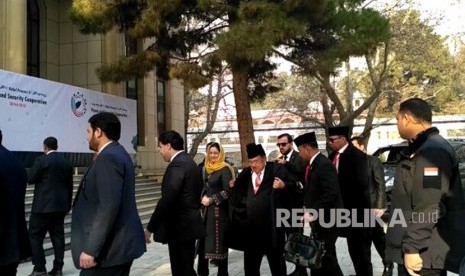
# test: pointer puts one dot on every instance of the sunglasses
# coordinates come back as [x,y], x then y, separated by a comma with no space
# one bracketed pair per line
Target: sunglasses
[331,140]
[281,144]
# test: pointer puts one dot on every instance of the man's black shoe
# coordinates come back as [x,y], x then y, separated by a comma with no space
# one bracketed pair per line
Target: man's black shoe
[388,268]
[299,271]
[38,273]
[55,272]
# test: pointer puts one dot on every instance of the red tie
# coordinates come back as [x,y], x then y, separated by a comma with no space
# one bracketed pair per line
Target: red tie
[258,181]
[336,159]
[307,171]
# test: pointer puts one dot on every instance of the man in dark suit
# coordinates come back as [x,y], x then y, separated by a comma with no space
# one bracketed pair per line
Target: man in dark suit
[53,178]
[322,194]
[296,166]
[290,158]
[106,234]
[352,168]
[259,191]
[378,202]
[14,240]
[176,219]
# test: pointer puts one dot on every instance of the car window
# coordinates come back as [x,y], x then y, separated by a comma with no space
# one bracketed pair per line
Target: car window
[460,150]
[394,155]
[382,155]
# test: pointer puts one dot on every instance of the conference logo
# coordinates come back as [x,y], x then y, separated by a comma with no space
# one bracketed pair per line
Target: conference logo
[78,104]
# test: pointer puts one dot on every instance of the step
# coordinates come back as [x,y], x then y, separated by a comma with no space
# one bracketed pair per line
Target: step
[148,192]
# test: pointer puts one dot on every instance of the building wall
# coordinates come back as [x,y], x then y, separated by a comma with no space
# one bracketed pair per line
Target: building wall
[13,49]
[67,56]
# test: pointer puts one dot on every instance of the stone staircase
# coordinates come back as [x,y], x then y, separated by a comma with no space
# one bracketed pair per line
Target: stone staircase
[148,192]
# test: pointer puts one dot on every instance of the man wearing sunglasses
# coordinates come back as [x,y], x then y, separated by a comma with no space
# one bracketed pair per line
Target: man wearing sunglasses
[296,166]
[352,167]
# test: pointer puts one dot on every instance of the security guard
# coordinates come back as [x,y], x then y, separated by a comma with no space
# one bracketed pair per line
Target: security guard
[427,190]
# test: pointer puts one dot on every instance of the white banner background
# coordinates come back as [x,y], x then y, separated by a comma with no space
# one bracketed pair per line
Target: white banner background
[32,109]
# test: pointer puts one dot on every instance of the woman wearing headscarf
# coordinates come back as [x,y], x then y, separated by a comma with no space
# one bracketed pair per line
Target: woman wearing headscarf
[216,174]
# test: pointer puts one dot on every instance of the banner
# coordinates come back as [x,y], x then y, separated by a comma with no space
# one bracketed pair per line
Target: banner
[32,109]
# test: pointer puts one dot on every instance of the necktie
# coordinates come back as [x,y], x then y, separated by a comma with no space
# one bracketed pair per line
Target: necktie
[307,171]
[258,181]
[336,160]
[284,157]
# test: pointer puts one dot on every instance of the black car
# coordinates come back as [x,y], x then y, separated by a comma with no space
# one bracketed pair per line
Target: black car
[391,155]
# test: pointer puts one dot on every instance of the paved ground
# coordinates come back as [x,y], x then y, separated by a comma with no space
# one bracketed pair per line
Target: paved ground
[156,262]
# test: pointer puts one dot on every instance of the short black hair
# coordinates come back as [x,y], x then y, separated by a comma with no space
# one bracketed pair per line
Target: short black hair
[51,143]
[418,108]
[108,123]
[173,138]
[1,137]
[289,137]
[358,139]
[313,144]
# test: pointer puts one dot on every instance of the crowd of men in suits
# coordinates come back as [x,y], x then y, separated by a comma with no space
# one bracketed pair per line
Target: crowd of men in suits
[107,234]
[106,231]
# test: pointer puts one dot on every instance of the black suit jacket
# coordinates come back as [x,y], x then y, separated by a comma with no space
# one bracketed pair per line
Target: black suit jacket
[53,178]
[296,165]
[353,178]
[257,211]
[14,239]
[177,215]
[377,184]
[105,221]
[322,192]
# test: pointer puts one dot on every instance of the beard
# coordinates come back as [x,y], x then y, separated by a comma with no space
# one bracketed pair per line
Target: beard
[93,144]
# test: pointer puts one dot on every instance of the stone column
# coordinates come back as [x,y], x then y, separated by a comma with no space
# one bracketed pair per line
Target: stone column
[13,40]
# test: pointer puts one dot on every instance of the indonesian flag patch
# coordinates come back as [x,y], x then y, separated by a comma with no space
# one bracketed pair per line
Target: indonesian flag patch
[431,171]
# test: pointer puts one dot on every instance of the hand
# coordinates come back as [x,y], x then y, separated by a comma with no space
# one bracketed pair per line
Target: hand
[148,236]
[278,183]
[232,183]
[412,263]
[205,201]
[280,161]
[378,212]
[86,261]
[307,218]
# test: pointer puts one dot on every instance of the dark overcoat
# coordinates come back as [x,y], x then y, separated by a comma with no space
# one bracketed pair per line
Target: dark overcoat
[14,239]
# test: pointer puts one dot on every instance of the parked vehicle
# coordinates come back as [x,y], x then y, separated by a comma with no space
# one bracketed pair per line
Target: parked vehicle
[391,155]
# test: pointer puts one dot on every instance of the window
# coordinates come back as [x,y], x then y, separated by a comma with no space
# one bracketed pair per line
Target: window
[461,153]
[229,140]
[454,133]
[272,139]
[131,85]
[287,121]
[161,106]
[393,135]
[33,53]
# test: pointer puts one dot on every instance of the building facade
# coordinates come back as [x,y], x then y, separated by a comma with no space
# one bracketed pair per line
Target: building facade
[37,38]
